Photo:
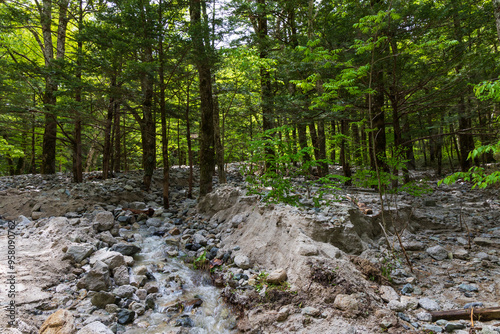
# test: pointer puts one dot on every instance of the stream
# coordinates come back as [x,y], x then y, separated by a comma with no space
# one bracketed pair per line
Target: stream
[187,297]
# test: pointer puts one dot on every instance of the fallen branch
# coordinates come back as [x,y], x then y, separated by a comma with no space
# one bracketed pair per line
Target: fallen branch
[481,314]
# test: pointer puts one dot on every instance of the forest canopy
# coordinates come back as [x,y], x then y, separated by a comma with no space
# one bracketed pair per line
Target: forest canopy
[146,84]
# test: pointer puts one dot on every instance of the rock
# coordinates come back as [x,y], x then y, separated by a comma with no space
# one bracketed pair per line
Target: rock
[154,222]
[277,276]
[396,305]
[175,231]
[124,291]
[198,238]
[151,287]
[125,249]
[428,304]
[437,252]
[453,326]
[184,322]
[242,261]
[308,250]
[432,328]
[407,288]
[79,252]
[102,298]
[424,316]
[121,276]
[107,238]
[283,314]
[346,302]
[111,259]
[473,304]
[97,279]
[36,215]
[388,293]
[60,322]
[468,288]
[125,316]
[486,242]
[410,303]
[95,327]
[104,221]
[311,311]
[461,254]
[138,308]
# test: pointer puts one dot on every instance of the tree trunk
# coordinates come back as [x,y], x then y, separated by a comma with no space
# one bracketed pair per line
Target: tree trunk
[117,140]
[315,144]
[378,140]
[344,152]
[496,9]
[77,134]
[106,155]
[356,150]
[219,149]
[203,64]
[188,138]
[302,133]
[322,148]
[465,140]
[332,134]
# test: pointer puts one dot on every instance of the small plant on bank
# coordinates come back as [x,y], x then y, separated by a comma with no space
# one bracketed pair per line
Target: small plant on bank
[282,177]
[201,262]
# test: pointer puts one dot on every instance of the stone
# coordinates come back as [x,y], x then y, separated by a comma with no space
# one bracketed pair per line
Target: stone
[184,322]
[112,308]
[453,326]
[121,275]
[396,306]
[437,252]
[432,328]
[308,250]
[79,252]
[124,291]
[242,261]
[424,316]
[387,293]
[410,303]
[107,237]
[473,304]
[36,215]
[461,254]
[154,222]
[407,288]
[60,322]
[151,287]
[97,278]
[125,316]
[198,238]
[283,314]
[311,311]
[104,221]
[125,249]
[175,231]
[111,259]
[138,308]
[468,288]
[277,276]
[102,298]
[428,304]
[346,302]
[95,327]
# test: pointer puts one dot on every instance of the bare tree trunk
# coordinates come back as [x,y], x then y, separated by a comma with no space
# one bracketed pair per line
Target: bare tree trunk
[301,130]
[203,64]
[496,9]
[106,155]
[219,149]
[344,151]
[188,138]
[163,115]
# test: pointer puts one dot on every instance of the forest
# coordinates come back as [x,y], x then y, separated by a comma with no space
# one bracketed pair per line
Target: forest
[372,85]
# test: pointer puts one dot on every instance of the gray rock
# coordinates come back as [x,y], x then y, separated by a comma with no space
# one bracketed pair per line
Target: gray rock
[125,249]
[242,261]
[95,327]
[125,291]
[388,293]
[306,249]
[97,279]
[473,304]
[486,242]
[311,311]
[102,298]
[432,328]
[107,238]
[79,252]
[453,326]
[468,288]
[104,221]
[198,238]
[346,302]
[121,275]
[437,252]
[396,305]
[138,205]
[428,304]
[125,316]
[155,222]
[424,316]
[112,259]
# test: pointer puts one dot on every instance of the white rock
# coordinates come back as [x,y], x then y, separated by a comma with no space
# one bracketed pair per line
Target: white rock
[388,293]
[242,261]
[95,327]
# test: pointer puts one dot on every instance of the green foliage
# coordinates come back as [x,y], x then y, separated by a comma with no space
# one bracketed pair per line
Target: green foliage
[201,262]
[8,150]
[287,177]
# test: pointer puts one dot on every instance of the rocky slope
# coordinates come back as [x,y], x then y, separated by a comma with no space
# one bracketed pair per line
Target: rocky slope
[281,269]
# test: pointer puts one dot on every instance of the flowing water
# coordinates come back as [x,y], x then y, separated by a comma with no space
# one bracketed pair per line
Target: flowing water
[182,291]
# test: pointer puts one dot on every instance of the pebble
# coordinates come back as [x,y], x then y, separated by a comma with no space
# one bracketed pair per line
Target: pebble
[428,304]
[437,252]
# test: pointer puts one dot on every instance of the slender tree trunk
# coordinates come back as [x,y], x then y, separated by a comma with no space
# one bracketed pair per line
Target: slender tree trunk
[356,150]
[496,9]
[117,140]
[106,155]
[302,133]
[203,64]
[188,138]
[344,152]
[219,149]
[315,143]
[378,139]
[332,152]
[33,144]
[77,134]
[322,147]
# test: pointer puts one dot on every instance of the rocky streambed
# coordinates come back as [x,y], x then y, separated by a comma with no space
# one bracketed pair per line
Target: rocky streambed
[92,258]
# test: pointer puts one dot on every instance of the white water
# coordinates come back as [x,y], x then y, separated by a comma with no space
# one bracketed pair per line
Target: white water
[213,316]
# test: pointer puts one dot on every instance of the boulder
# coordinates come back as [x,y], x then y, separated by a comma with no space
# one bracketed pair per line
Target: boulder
[104,221]
[437,252]
[102,298]
[277,276]
[60,322]
[97,279]
[242,261]
[125,249]
[79,252]
[95,327]
[110,258]
[121,276]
